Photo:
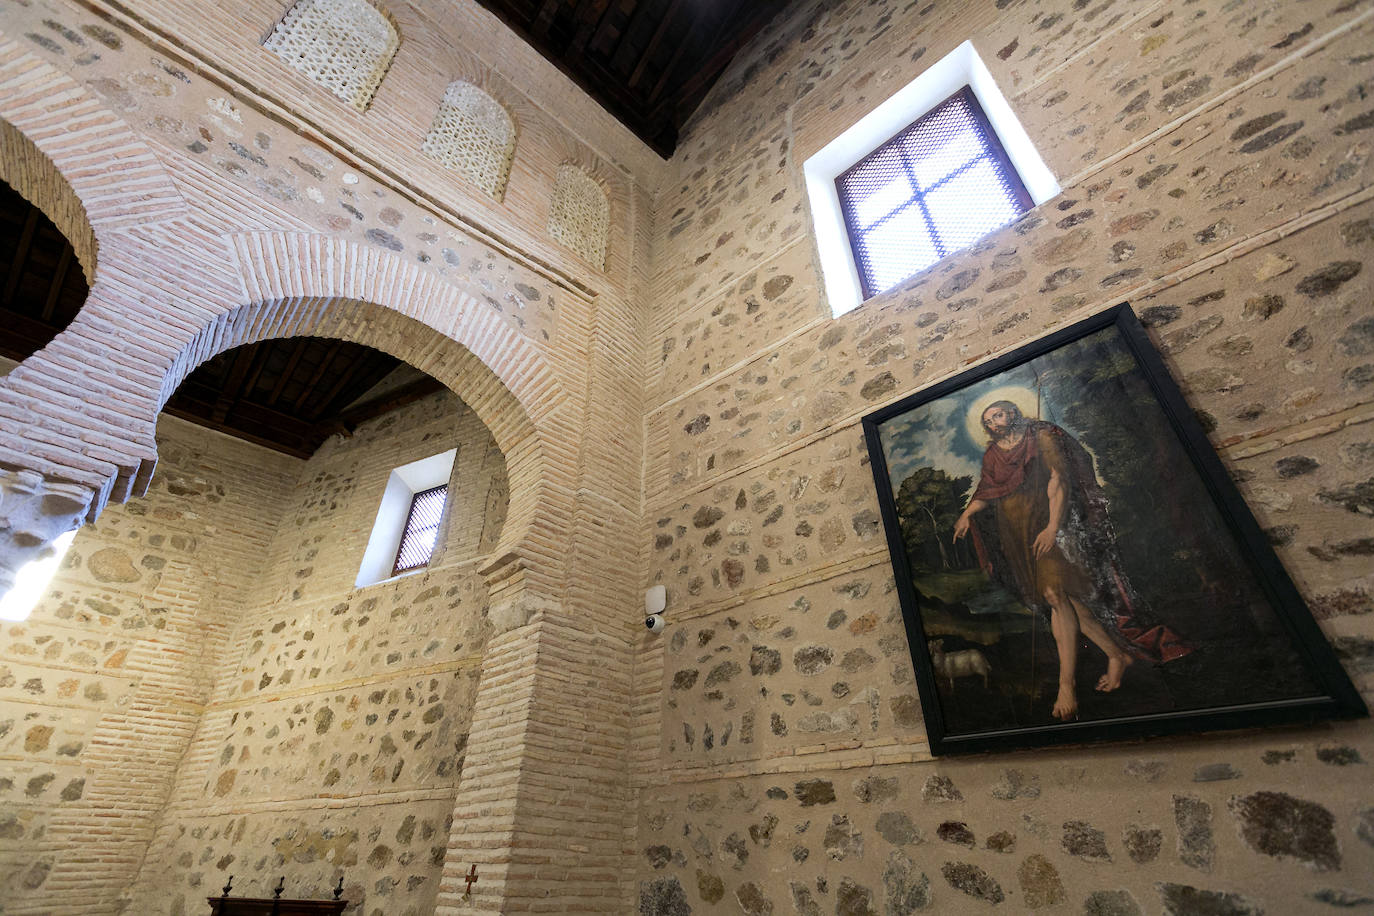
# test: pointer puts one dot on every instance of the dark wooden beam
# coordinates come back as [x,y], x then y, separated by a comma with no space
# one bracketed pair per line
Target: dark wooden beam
[544,18]
[322,407]
[353,417]
[741,32]
[318,374]
[22,336]
[232,391]
[288,370]
[662,80]
[590,16]
[21,254]
[59,278]
[264,356]
[254,423]
[652,48]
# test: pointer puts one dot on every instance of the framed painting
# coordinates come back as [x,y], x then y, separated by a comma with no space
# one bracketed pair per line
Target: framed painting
[1073,562]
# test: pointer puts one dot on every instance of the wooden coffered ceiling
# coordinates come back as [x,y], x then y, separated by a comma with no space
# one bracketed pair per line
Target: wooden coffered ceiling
[648,62]
[288,395]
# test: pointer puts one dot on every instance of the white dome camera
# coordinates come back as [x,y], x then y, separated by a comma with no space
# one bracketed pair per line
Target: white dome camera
[655,599]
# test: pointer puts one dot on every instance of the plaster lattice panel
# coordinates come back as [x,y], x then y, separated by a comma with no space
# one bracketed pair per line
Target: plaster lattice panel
[344,45]
[580,216]
[474,135]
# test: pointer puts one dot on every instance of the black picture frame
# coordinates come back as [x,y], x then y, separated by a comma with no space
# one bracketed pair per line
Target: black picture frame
[1255,656]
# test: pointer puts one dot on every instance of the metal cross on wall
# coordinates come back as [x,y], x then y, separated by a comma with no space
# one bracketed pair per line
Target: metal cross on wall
[471,879]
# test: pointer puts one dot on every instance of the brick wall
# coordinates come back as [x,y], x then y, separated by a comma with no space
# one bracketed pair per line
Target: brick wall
[250,203]
[107,680]
[163,692]
[336,733]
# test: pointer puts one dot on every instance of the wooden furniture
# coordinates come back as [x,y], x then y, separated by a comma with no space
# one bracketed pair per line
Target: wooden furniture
[276,905]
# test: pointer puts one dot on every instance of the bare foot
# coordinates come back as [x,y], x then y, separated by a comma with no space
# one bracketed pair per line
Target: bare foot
[1116,667]
[1066,706]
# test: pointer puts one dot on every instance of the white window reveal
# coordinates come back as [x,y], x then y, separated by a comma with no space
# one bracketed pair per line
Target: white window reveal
[928,172]
[580,215]
[409,519]
[344,45]
[473,135]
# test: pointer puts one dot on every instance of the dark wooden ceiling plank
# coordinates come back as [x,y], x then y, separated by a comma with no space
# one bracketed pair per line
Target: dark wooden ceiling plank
[266,348]
[254,423]
[668,69]
[353,417]
[321,408]
[608,31]
[694,89]
[23,335]
[590,16]
[642,20]
[59,278]
[318,374]
[654,42]
[288,370]
[21,254]
[232,391]
[544,18]
[376,367]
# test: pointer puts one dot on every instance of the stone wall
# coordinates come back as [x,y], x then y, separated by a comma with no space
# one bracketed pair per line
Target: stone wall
[1214,160]
[232,200]
[104,684]
[204,677]
[1215,164]
[335,736]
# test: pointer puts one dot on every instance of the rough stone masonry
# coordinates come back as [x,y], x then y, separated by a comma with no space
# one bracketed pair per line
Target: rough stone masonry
[204,693]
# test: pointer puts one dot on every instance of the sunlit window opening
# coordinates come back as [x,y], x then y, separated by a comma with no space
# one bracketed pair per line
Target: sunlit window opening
[406,530]
[32,580]
[936,166]
[421,531]
[938,186]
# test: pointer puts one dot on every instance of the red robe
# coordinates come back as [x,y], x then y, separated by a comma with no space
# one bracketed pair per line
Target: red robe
[1084,563]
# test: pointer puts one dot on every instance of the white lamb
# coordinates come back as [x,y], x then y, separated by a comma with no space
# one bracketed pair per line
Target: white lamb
[958,664]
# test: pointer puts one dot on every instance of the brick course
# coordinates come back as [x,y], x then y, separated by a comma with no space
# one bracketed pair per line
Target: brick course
[215,197]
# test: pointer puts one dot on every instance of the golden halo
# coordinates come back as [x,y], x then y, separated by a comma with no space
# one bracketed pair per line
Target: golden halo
[1021,396]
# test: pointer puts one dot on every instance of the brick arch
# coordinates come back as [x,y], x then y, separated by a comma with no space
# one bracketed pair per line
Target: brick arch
[298,284]
[86,170]
[535,505]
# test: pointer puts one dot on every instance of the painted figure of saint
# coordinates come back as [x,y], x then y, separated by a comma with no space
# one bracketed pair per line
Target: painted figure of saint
[1040,529]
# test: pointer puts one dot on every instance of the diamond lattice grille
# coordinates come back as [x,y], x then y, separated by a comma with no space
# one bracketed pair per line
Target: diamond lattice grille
[474,135]
[344,45]
[422,529]
[580,216]
[938,186]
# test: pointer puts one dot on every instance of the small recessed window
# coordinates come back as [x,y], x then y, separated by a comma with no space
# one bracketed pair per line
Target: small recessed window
[421,531]
[409,516]
[938,186]
[936,166]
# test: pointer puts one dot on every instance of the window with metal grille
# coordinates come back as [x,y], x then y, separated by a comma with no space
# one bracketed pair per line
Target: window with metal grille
[938,186]
[421,531]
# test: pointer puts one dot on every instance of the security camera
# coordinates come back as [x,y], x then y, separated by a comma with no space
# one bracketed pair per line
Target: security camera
[655,599]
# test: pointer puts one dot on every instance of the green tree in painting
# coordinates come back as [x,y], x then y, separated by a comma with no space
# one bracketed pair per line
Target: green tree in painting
[928,502]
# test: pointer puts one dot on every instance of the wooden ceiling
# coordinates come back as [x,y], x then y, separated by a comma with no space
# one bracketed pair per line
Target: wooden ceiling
[648,62]
[291,395]
[41,284]
[288,395]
